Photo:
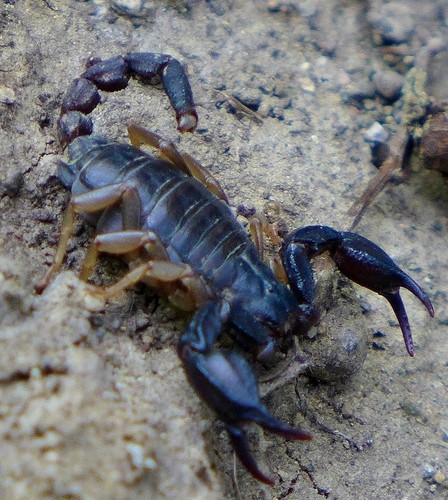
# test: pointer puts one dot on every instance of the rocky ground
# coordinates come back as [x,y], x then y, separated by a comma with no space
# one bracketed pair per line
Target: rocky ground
[94,403]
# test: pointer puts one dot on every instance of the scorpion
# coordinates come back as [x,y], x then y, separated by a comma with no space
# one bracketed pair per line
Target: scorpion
[168,219]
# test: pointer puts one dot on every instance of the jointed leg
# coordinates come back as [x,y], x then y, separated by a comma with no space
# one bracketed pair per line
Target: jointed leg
[97,200]
[259,226]
[159,271]
[183,161]
[66,231]
[118,243]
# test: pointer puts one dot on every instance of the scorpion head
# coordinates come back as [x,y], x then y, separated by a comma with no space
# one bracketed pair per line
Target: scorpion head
[266,311]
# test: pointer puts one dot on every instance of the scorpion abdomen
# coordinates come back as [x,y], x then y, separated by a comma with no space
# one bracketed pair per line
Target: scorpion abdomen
[194,225]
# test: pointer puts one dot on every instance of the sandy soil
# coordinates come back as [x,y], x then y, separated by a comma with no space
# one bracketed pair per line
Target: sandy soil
[94,403]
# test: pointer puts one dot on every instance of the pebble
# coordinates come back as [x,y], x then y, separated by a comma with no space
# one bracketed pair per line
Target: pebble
[12,186]
[251,98]
[439,477]
[130,8]
[428,473]
[42,215]
[307,84]
[7,95]
[394,22]
[388,84]
[136,454]
[358,92]
[376,134]
[347,410]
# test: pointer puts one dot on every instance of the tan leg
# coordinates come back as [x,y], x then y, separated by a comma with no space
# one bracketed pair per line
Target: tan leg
[91,202]
[257,235]
[270,230]
[123,243]
[259,226]
[66,231]
[118,243]
[183,161]
[178,282]
[277,268]
[158,270]
[193,293]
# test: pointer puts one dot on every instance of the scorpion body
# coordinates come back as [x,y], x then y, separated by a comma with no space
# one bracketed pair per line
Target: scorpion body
[194,228]
[169,220]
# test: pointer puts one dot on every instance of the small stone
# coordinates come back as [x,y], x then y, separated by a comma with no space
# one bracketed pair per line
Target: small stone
[439,477]
[142,320]
[444,429]
[12,186]
[94,303]
[307,84]
[138,459]
[129,8]
[136,454]
[376,134]
[428,473]
[7,95]
[358,92]
[42,215]
[251,98]
[394,22]
[52,456]
[388,84]
[347,410]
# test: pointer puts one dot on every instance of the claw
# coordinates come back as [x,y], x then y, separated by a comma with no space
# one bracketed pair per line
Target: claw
[368,265]
[226,382]
[400,312]
[239,443]
[361,261]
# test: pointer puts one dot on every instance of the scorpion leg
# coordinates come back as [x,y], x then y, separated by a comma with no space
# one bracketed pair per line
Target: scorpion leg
[91,202]
[226,382]
[177,281]
[259,227]
[128,242]
[359,259]
[160,274]
[157,271]
[183,161]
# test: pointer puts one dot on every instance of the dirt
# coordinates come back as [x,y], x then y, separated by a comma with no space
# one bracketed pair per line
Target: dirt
[94,402]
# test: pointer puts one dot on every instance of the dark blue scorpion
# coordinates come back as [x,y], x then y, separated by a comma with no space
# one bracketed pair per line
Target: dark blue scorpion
[168,219]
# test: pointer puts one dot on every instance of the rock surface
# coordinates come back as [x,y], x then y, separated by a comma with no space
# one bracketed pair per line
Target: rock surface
[95,404]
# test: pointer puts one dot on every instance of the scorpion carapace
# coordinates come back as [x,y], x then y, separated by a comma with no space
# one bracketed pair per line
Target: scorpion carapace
[181,238]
